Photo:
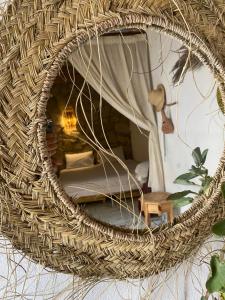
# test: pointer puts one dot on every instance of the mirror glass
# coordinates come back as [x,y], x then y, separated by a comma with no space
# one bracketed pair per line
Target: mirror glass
[134,128]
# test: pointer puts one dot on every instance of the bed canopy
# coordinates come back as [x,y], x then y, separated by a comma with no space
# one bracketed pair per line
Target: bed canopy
[118,68]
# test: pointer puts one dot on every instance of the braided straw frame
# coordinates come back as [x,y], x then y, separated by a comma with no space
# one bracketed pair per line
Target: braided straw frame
[37,216]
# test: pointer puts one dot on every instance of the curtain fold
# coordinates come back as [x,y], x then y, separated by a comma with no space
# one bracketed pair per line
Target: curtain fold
[118,68]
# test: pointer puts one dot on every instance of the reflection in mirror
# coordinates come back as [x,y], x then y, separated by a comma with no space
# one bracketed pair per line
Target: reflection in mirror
[134,128]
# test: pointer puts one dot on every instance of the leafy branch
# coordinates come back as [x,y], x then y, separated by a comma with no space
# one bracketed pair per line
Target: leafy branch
[216,280]
[199,173]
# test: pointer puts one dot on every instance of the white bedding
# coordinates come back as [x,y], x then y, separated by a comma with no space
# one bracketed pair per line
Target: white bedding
[89,181]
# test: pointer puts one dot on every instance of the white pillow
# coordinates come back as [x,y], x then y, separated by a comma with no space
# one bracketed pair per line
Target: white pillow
[104,157]
[79,160]
[141,171]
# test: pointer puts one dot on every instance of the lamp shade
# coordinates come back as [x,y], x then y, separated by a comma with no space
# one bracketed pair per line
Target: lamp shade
[69,121]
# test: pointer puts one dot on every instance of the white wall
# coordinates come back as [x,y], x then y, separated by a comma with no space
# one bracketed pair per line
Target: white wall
[22,279]
[196,117]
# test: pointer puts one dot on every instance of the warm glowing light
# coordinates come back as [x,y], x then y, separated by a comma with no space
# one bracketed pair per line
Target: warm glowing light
[69,121]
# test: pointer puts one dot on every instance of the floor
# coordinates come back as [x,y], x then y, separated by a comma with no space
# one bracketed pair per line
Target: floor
[125,214]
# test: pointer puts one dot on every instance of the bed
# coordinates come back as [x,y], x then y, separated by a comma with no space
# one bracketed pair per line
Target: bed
[87,184]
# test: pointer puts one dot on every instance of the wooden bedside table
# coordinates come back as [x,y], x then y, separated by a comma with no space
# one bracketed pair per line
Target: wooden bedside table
[156,203]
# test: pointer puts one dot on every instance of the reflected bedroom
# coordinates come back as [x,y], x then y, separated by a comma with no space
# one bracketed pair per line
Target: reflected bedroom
[123,129]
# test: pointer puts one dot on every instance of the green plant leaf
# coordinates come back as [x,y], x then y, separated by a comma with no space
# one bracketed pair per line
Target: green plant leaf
[197,156]
[203,298]
[204,155]
[198,171]
[179,195]
[182,202]
[184,182]
[185,177]
[206,182]
[216,282]
[219,228]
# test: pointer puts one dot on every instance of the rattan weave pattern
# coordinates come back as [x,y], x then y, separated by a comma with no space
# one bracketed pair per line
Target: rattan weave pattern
[38,217]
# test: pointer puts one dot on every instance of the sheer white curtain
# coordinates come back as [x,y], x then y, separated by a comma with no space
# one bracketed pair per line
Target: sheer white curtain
[118,68]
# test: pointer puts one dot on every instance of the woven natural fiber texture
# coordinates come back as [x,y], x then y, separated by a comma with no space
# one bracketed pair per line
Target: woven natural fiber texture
[37,216]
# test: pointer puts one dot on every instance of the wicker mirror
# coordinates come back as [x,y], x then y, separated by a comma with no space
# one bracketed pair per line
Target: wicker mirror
[37,214]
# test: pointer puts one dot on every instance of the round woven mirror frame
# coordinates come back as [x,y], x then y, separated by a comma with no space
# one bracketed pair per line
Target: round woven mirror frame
[37,216]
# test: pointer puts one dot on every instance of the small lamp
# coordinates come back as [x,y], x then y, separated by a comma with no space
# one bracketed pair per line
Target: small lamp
[69,121]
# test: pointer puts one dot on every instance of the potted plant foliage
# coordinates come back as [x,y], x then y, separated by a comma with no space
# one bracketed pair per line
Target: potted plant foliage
[197,175]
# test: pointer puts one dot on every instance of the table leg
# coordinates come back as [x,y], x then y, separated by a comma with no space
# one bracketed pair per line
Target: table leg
[147,215]
[142,203]
[171,217]
[169,212]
